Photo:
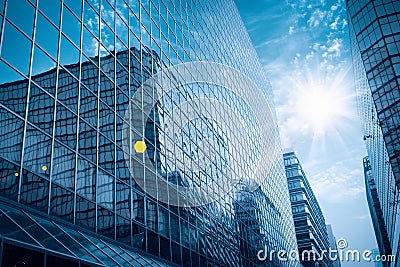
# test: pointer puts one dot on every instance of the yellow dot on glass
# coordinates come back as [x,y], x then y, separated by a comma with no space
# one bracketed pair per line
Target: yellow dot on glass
[44,168]
[140,146]
[16,174]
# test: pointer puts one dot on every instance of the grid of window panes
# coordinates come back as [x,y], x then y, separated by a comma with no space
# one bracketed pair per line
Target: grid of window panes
[377,31]
[68,69]
[372,130]
[310,227]
[374,204]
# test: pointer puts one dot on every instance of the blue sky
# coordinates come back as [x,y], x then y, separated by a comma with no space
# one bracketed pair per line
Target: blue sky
[304,48]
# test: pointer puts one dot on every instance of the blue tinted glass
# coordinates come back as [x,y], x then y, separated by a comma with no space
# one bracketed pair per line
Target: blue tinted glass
[62,203]
[9,178]
[41,63]
[86,180]
[47,36]
[66,123]
[21,59]
[37,151]
[51,8]
[2,2]
[21,13]
[11,130]
[67,91]
[63,166]
[71,27]
[69,53]
[85,213]
[87,141]
[41,109]
[75,6]
[34,191]
[105,190]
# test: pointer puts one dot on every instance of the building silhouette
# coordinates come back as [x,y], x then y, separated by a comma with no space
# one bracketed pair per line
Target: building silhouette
[311,231]
[67,195]
[374,35]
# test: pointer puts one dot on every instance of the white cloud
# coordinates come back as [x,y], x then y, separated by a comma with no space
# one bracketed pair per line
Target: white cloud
[316,18]
[291,30]
[334,25]
[335,47]
[338,184]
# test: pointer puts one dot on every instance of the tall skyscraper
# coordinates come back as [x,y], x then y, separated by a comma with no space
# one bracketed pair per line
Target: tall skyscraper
[375,44]
[309,222]
[375,209]
[74,166]
[333,245]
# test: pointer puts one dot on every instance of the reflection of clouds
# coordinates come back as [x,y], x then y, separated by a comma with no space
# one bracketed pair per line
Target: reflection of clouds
[106,26]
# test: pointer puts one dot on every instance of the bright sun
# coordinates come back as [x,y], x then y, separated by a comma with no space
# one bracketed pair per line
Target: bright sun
[319,107]
[322,105]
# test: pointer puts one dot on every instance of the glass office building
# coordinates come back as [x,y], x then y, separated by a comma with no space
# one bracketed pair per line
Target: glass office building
[311,230]
[376,212]
[375,44]
[68,70]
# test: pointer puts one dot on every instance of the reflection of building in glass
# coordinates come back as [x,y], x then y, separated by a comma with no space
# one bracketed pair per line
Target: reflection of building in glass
[309,222]
[250,209]
[375,41]
[333,245]
[376,212]
[65,186]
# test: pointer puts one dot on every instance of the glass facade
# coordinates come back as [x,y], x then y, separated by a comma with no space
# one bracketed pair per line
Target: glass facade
[309,222]
[68,71]
[375,44]
[376,212]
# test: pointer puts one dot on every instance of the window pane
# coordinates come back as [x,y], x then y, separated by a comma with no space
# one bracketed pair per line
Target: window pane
[47,36]
[85,213]
[69,53]
[63,166]
[75,6]
[9,178]
[13,90]
[42,63]
[22,14]
[105,222]
[66,126]
[88,106]
[37,151]
[41,109]
[62,203]
[86,180]
[87,141]
[123,199]
[106,154]
[11,38]
[11,131]
[105,190]
[68,90]
[34,191]
[71,27]
[51,8]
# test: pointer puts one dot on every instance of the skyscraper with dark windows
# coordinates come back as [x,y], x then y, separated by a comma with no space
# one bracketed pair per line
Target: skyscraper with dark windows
[375,209]
[309,222]
[72,159]
[375,44]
